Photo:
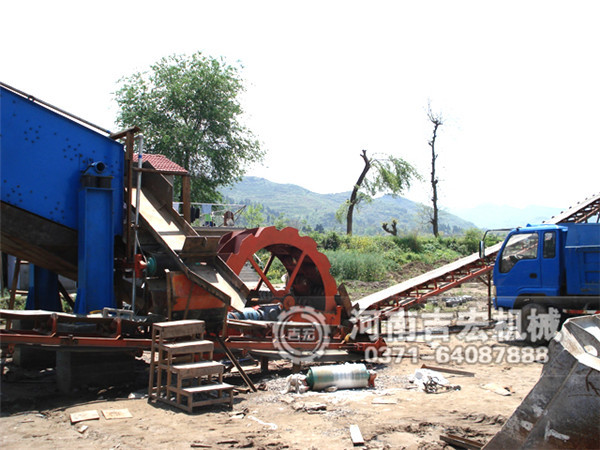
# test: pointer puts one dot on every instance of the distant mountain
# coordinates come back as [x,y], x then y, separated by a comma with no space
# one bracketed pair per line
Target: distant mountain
[300,207]
[494,216]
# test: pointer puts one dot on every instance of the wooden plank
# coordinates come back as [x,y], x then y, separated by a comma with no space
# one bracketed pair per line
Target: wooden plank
[461,442]
[236,363]
[110,414]
[384,401]
[179,328]
[178,348]
[84,415]
[197,369]
[13,289]
[448,370]
[356,435]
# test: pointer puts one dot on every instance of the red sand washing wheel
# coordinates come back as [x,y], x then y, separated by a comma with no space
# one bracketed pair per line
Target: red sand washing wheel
[309,281]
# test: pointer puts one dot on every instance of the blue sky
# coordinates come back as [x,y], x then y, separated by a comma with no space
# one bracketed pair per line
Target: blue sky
[517,83]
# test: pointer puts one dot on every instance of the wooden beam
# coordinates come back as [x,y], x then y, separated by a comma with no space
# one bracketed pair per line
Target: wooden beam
[121,134]
[13,289]
[163,172]
[356,435]
[186,194]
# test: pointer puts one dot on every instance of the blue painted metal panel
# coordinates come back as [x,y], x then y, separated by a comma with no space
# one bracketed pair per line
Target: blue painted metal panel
[43,290]
[43,155]
[582,259]
[95,251]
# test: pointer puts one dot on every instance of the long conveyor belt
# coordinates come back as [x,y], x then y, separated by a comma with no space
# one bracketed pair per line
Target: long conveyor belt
[435,282]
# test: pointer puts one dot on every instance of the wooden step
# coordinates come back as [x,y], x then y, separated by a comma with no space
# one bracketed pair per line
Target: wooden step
[214,394]
[178,348]
[178,328]
[208,399]
[197,369]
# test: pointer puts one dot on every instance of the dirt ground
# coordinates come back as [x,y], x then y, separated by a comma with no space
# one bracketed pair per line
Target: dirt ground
[394,414]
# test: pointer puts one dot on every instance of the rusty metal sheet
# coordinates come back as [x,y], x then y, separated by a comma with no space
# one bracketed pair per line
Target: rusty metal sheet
[563,408]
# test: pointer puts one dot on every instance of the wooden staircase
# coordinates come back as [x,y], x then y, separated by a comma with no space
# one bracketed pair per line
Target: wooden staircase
[182,372]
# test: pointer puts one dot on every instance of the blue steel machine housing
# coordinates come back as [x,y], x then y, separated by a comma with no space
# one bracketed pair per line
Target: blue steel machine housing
[65,173]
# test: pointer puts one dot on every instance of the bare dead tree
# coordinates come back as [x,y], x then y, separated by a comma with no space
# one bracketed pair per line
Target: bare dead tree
[437,121]
[393,229]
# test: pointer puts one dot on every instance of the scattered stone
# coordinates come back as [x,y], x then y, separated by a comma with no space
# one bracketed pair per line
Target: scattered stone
[309,407]
[138,394]
[496,389]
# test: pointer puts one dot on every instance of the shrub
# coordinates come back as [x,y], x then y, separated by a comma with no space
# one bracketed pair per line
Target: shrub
[352,265]
[410,242]
[331,241]
[471,240]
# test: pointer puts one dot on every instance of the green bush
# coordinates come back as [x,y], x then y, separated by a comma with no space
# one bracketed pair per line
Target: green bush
[471,240]
[331,241]
[372,258]
[351,265]
[410,242]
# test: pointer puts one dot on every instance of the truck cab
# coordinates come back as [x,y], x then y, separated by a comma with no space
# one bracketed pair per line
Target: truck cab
[529,265]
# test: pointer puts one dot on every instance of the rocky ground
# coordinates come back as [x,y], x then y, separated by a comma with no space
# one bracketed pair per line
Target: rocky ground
[394,414]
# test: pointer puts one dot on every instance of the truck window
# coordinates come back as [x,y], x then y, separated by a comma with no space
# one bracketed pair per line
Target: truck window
[549,244]
[519,246]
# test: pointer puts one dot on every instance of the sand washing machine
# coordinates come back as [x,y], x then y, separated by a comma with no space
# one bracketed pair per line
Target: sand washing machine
[76,203]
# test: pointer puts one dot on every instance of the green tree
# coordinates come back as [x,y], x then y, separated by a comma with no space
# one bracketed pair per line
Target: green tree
[281,221]
[391,176]
[253,214]
[188,110]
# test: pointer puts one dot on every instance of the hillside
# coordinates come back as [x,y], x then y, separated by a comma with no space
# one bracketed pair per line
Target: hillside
[300,207]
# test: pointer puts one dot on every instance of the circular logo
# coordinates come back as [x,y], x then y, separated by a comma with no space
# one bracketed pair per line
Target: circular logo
[301,341]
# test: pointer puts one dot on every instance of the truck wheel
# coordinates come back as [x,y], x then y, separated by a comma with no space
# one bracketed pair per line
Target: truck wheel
[532,330]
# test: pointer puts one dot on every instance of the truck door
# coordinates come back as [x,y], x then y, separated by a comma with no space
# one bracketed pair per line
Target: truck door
[519,268]
[550,264]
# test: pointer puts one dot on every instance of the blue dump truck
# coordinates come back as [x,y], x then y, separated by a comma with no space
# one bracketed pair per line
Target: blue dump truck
[548,272]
